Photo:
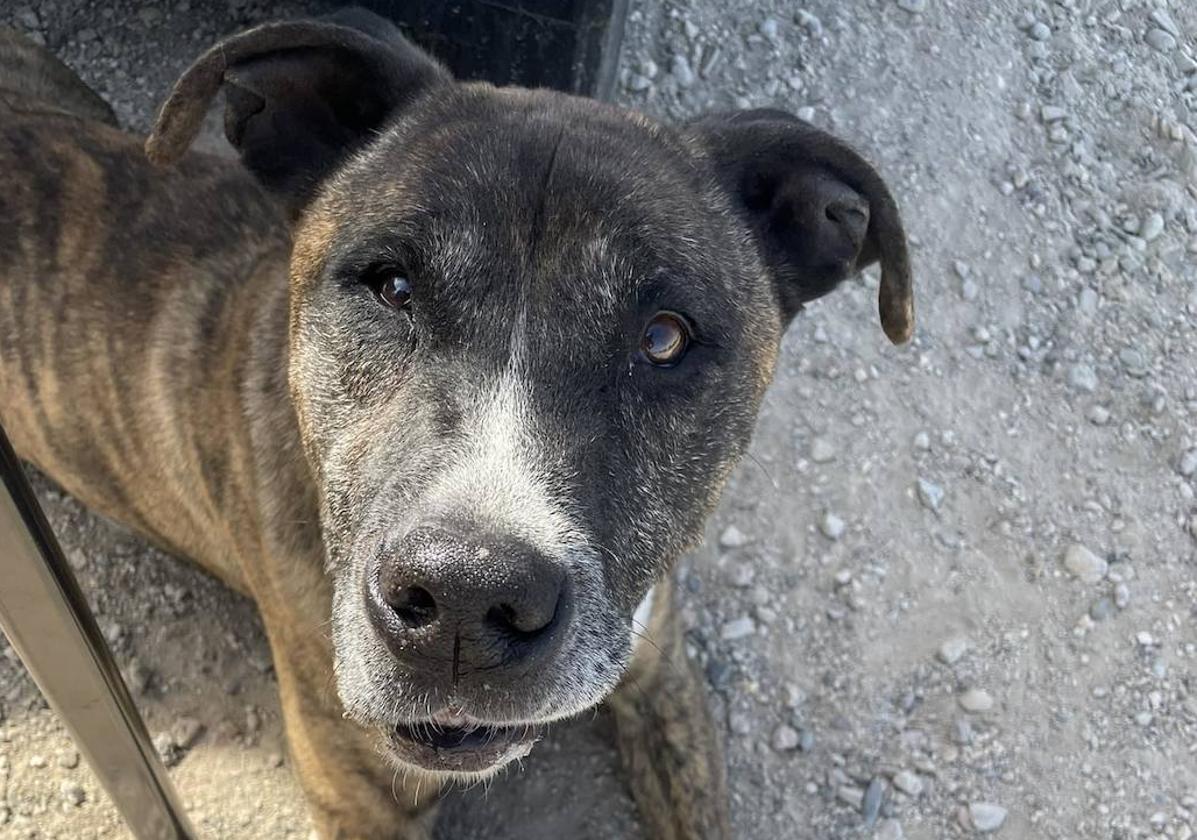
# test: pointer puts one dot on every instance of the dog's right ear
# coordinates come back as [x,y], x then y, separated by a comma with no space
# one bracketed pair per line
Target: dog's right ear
[301,96]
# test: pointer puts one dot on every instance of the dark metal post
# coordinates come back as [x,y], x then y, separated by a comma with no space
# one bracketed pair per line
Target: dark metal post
[45,616]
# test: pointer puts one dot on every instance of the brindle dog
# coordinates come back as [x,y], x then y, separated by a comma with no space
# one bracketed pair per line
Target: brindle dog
[460,369]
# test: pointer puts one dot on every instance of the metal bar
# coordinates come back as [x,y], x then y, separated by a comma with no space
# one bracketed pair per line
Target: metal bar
[45,616]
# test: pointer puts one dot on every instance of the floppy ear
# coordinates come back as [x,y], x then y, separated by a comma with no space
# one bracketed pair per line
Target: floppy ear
[301,96]
[818,210]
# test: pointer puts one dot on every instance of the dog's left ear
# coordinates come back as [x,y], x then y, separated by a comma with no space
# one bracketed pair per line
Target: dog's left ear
[301,96]
[818,210]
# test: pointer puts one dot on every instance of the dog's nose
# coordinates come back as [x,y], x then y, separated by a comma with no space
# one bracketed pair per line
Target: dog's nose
[452,600]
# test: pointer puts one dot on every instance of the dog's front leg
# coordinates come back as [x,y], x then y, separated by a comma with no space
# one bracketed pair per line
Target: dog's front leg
[352,792]
[667,739]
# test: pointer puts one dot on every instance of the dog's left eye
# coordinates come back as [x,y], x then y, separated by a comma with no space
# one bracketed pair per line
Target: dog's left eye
[666,339]
[390,286]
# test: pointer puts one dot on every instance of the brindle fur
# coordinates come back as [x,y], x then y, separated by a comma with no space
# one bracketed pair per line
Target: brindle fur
[148,362]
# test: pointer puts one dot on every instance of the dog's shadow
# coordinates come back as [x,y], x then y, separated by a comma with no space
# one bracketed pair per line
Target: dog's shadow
[193,650]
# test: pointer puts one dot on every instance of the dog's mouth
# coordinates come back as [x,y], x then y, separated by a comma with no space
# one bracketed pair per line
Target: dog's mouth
[451,742]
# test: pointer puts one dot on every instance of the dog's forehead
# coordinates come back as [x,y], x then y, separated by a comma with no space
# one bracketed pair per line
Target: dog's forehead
[530,173]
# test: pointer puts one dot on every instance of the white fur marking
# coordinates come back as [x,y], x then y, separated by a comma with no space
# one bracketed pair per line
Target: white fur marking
[640,619]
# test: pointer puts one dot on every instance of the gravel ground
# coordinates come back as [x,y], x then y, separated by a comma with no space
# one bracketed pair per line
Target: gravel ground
[953,590]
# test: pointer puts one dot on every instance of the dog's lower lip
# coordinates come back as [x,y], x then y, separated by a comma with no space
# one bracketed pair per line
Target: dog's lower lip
[470,747]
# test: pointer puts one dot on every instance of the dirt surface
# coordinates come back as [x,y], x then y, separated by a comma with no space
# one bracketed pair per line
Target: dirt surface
[953,590]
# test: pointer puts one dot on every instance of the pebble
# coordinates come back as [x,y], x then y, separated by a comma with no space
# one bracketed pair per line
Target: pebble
[1088,567]
[68,759]
[37,762]
[822,450]
[1098,415]
[785,738]
[851,796]
[810,22]
[27,18]
[1188,463]
[915,7]
[1039,31]
[889,830]
[930,494]
[682,71]
[1133,361]
[976,701]
[737,629]
[1165,21]
[1122,596]
[73,794]
[186,732]
[831,526]
[870,806]
[806,740]
[951,651]
[969,290]
[1052,113]
[1083,378]
[922,441]
[1152,227]
[987,817]
[1102,609]
[733,537]
[909,782]
[1160,40]
[769,28]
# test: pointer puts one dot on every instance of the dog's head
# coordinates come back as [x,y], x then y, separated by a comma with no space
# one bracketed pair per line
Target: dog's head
[529,337]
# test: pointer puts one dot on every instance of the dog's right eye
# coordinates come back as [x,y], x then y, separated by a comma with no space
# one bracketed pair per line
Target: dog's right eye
[390,286]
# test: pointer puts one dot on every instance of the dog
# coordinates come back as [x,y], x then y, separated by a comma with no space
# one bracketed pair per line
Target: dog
[457,370]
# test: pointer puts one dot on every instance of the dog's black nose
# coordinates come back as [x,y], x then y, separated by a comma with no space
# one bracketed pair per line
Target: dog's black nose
[454,602]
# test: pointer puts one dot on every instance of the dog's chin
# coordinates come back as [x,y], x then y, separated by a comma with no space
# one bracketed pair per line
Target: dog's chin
[452,747]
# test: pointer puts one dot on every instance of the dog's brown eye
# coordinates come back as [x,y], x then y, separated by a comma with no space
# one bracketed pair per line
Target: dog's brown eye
[394,290]
[665,339]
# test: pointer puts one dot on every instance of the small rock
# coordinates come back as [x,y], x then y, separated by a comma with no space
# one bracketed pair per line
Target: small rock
[930,494]
[186,732]
[1165,21]
[785,738]
[851,796]
[1152,227]
[909,782]
[68,759]
[922,441]
[915,7]
[1098,415]
[742,575]
[1039,31]
[976,701]
[1188,463]
[1102,609]
[27,18]
[889,830]
[806,740]
[831,526]
[1122,596]
[987,817]
[969,290]
[733,537]
[737,629]
[870,806]
[1084,564]
[951,651]
[37,762]
[822,450]
[681,71]
[1052,113]
[1083,378]
[73,794]
[769,28]
[1160,40]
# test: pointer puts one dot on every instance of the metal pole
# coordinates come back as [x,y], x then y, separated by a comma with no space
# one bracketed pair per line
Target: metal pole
[45,616]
